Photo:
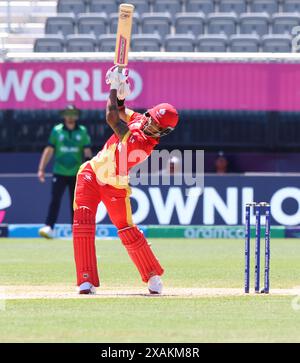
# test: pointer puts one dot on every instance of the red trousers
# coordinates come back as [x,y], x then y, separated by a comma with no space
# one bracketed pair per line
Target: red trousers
[89,193]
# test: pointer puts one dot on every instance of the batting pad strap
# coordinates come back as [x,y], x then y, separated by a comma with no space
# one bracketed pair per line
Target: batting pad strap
[140,252]
[84,246]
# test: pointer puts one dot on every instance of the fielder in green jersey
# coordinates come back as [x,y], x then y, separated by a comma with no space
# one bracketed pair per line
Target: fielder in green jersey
[69,143]
[69,148]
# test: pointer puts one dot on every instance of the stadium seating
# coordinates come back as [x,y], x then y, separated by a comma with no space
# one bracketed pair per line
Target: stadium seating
[170,6]
[106,6]
[237,6]
[267,6]
[140,6]
[61,24]
[212,43]
[254,23]
[219,22]
[283,23]
[190,23]
[33,133]
[22,130]
[276,43]
[107,43]
[25,23]
[244,43]
[92,23]
[158,23]
[81,43]
[71,6]
[146,42]
[180,43]
[222,23]
[290,6]
[51,43]
[204,6]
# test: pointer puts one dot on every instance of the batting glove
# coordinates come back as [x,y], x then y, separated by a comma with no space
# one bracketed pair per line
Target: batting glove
[116,78]
[124,90]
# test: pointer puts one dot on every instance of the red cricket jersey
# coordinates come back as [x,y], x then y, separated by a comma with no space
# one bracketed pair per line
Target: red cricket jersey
[112,164]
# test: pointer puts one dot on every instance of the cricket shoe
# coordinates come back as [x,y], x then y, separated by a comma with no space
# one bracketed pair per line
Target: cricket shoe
[155,285]
[46,232]
[86,288]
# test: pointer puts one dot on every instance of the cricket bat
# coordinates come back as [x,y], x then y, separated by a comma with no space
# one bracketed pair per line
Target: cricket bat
[123,35]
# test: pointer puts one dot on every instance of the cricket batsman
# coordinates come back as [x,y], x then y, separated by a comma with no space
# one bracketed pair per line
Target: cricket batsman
[105,178]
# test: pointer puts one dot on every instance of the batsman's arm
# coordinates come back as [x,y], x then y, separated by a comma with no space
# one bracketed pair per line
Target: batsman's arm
[45,158]
[113,116]
[124,112]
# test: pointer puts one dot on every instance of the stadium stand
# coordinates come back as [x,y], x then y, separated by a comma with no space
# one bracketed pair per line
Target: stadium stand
[61,24]
[244,43]
[38,19]
[236,130]
[71,6]
[255,23]
[212,43]
[180,43]
[204,6]
[168,25]
[276,43]
[92,23]
[237,6]
[230,130]
[53,43]
[190,23]
[156,23]
[141,6]
[107,43]
[21,22]
[290,6]
[222,23]
[261,6]
[146,42]
[106,6]
[283,23]
[171,6]
[81,43]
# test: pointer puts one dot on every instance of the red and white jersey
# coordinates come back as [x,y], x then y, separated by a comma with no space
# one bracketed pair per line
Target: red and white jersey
[113,163]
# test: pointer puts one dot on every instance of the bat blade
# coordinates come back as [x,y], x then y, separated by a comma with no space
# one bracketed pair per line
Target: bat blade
[123,34]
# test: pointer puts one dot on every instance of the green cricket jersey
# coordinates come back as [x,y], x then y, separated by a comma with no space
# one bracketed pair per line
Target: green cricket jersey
[69,146]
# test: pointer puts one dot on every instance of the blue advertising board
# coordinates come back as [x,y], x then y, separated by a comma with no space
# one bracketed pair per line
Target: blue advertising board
[23,199]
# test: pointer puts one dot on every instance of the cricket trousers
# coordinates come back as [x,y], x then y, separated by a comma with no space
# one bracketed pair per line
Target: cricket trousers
[88,194]
[59,185]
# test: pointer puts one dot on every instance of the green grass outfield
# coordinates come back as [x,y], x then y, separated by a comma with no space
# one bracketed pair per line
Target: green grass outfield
[30,264]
